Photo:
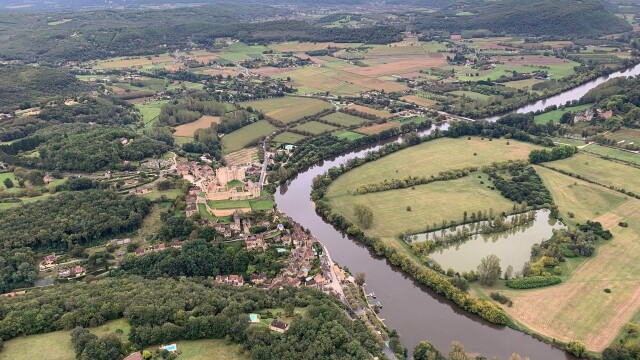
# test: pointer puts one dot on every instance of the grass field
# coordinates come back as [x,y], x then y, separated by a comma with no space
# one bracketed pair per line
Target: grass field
[202,123]
[603,171]
[150,111]
[349,135]
[430,158]
[8,175]
[289,108]
[613,153]
[523,84]
[265,202]
[446,200]
[418,100]
[315,127]
[628,135]
[555,115]
[244,136]
[209,350]
[342,119]
[55,345]
[288,138]
[367,110]
[469,94]
[377,128]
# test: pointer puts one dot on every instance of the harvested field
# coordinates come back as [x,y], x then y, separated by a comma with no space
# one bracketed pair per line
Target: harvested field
[270,71]
[289,108]
[288,138]
[603,171]
[531,60]
[367,110]
[133,62]
[315,127]
[295,46]
[221,71]
[241,157]
[202,123]
[399,66]
[377,128]
[342,119]
[246,135]
[418,100]
[523,84]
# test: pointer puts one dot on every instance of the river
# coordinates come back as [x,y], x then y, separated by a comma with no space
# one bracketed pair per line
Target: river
[416,312]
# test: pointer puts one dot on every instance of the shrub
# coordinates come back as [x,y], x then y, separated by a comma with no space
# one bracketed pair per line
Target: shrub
[576,349]
[533,282]
[502,299]
[623,224]
[607,290]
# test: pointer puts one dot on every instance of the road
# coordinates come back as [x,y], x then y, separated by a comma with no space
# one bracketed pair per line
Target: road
[265,162]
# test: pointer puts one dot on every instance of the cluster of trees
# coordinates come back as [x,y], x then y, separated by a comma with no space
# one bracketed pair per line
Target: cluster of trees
[519,182]
[426,351]
[18,268]
[71,219]
[190,109]
[165,310]
[410,181]
[364,215]
[201,258]
[556,153]
[532,282]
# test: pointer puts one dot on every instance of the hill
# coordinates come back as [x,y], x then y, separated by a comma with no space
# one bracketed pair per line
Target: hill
[528,17]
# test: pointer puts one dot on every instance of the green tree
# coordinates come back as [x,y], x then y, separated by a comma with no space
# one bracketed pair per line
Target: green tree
[289,309]
[576,348]
[364,215]
[489,270]
[360,278]
[426,351]
[8,183]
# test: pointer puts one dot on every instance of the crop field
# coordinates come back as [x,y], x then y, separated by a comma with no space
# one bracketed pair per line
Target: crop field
[613,153]
[431,158]
[601,170]
[244,136]
[555,115]
[435,202]
[348,135]
[377,128]
[315,127]
[295,46]
[189,129]
[288,138]
[419,100]
[289,108]
[470,95]
[240,157]
[367,110]
[342,119]
[523,84]
[140,61]
[579,309]
[239,52]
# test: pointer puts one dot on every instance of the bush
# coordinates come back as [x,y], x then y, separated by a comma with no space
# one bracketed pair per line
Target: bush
[501,298]
[607,290]
[623,224]
[576,349]
[533,282]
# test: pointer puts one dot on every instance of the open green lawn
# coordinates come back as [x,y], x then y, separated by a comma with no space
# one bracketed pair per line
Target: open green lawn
[150,111]
[289,108]
[613,153]
[603,171]
[288,138]
[522,84]
[555,115]
[315,127]
[430,203]
[565,141]
[264,202]
[8,175]
[210,350]
[626,135]
[349,135]
[169,194]
[469,94]
[342,119]
[430,158]
[246,135]
[55,345]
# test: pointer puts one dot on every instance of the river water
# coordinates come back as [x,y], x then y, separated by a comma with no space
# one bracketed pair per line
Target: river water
[416,312]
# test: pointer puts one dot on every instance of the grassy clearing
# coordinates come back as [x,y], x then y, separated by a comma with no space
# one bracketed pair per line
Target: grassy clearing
[246,135]
[342,119]
[349,135]
[377,128]
[315,127]
[189,129]
[55,345]
[264,202]
[150,111]
[566,141]
[430,158]
[288,138]
[152,222]
[469,94]
[613,153]
[367,110]
[603,171]
[523,84]
[169,194]
[626,135]
[429,203]
[418,100]
[12,177]
[210,350]
[289,108]
[555,115]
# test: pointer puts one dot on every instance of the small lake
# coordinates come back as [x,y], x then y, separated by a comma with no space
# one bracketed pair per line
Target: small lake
[513,246]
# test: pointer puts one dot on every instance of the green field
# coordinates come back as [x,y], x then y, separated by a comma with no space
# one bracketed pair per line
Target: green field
[566,141]
[246,135]
[613,153]
[348,135]
[288,138]
[8,175]
[523,84]
[315,127]
[169,194]
[150,111]
[469,94]
[55,345]
[241,51]
[265,202]
[603,171]
[626,135]
[430,158]
[342,119]
[555,115]
[289,108]
[209,350]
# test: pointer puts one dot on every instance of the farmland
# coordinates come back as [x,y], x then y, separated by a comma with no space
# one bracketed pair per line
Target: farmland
[367,110]
[190,128]
[315,127]
[376,128]
[625,136]
[290,108]
[150,111]
[246,135]
[603,171]
[342,119]
[555,115]
[348,135]
[288,138]
[612,153]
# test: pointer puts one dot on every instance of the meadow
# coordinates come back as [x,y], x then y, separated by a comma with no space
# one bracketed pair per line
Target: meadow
[606,172]
[246,135]
[348,135]
[150,111]
[288,138]
[189,129]
[375,112]
[613,153]
[315,127]
[342,119]
[288,109]
[377,128]
[627,135]
[555,115]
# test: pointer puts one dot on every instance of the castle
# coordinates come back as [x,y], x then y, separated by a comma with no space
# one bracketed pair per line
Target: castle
[219,187]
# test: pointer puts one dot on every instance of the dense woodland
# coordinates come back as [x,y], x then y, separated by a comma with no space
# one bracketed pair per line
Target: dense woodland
[162,311]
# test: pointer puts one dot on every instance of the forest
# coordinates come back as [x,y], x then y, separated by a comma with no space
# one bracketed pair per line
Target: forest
[164,310]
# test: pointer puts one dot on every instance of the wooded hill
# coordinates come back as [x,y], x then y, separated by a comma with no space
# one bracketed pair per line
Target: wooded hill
[528,17]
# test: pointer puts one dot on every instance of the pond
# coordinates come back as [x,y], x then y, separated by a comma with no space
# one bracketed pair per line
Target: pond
[513,246]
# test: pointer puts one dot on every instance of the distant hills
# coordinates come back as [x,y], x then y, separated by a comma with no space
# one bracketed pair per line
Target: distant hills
[527,17]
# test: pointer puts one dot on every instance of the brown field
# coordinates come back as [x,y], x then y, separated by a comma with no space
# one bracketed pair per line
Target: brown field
[270,71]
[139,61]
[412,75]
[531,60]
[221,71]
[374,129]
[367,110]
[241,157]
[295,46]
[173,68]
[202,123]
[400,66]
[418,100]
[456,37]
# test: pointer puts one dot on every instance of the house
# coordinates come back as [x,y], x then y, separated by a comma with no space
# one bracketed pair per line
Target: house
[134,356]
[233,280]
[47,178]
[258,278]
[74,272]
[279,326]
[177,245]
[15,293]
[583,116]
[319,279]
[140,251]
[49,261]
[124,141]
